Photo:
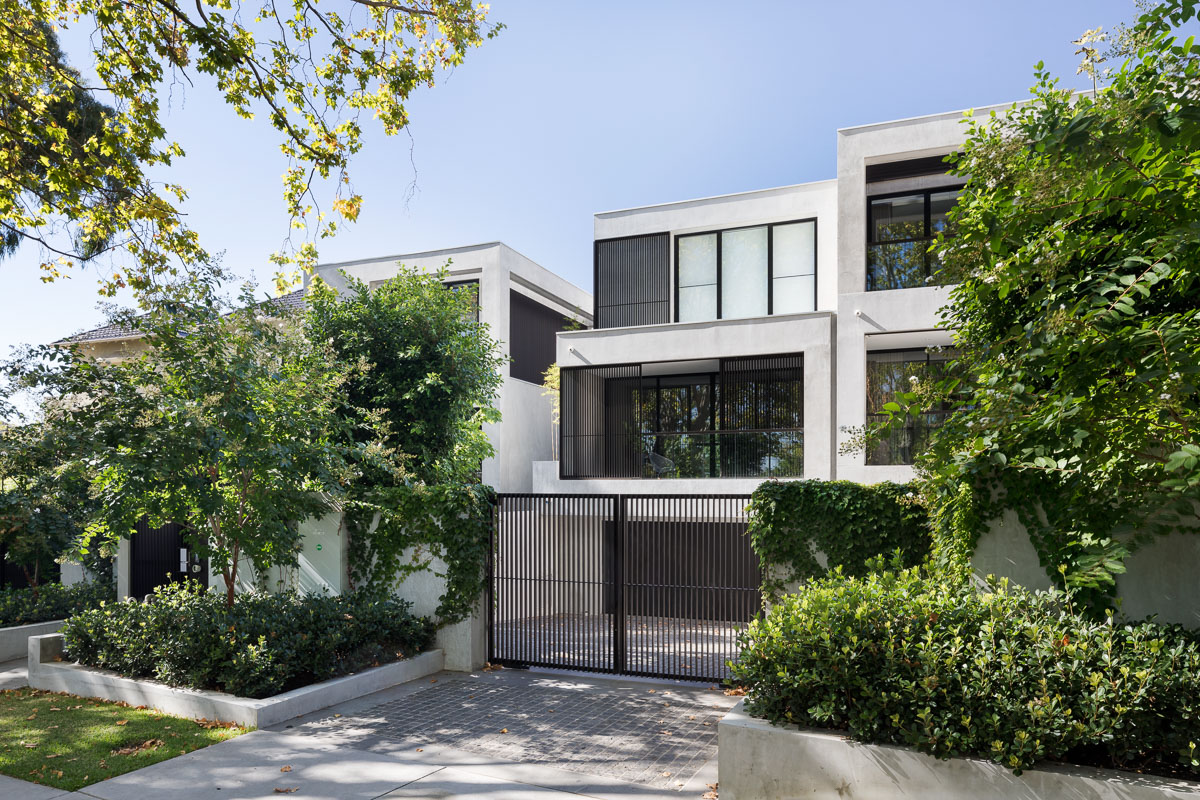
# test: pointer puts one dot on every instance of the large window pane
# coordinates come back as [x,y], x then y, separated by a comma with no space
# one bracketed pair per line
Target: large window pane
[897,218]
[698,260]
[795,295]
[697,303]
[794,249]
[889,374]
[744,273]
[940,204]
[697,271]
[896,266]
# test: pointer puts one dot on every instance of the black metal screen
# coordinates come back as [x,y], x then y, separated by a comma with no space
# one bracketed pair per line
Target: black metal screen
[746,420]
[633,281]
[160,556]
[532,328]
[655,585]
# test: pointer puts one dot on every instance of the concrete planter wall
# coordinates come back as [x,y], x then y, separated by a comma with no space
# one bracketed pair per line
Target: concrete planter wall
[14,642]
[47,673]
[760,761]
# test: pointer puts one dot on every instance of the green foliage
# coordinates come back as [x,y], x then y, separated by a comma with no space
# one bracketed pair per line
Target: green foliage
[433,370]
[895,658]
[397,531]
[52,601]
[230,425]
[85,741]
[1074,250]
[44,500]
[72,187]
[260,646]
[850,523]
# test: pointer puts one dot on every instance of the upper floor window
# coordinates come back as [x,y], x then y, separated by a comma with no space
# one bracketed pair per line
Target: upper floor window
[746,272]
[900,229]
[890,373]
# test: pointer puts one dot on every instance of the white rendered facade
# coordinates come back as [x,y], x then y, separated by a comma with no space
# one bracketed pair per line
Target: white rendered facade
[844,326]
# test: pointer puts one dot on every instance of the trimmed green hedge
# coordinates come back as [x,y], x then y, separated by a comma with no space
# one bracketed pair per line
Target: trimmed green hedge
[895,657]
[52,601]
[264,644]
[848,523]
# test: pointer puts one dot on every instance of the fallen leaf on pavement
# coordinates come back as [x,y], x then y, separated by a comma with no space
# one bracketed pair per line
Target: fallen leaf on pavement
[285,768]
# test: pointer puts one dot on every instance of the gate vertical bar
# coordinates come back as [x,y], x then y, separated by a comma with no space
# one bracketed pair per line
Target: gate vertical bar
[620,630]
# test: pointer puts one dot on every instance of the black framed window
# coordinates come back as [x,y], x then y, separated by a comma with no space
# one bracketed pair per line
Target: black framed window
[900,229]
[890,373]
[746,420]
[753,271]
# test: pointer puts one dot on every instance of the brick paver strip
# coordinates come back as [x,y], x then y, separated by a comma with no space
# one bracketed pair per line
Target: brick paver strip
[658,738]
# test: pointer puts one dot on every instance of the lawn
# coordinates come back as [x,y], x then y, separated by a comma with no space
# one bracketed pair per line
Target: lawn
[69,742]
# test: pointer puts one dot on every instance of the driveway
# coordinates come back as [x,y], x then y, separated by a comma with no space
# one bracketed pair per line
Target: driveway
[564,731]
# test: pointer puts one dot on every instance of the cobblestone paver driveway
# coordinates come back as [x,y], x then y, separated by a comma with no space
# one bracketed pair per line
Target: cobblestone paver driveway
[658,735]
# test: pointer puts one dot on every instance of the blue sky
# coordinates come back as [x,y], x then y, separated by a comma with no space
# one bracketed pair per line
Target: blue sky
[583,107]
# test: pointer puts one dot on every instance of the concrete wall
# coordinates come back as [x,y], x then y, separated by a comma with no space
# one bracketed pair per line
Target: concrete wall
[760,761]
[782,204]
[1160,578]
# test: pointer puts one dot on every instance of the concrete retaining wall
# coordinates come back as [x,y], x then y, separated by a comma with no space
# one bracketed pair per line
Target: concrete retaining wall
[46,672]
[760,761]
[14,642]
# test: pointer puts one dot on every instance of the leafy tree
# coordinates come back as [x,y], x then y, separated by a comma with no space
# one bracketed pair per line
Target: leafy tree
[77,182]
[44,502]
[1076,252]
[433,370]
[229,425]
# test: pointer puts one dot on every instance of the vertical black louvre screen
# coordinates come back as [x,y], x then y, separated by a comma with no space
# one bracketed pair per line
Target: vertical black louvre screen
[762,416]
[633,281]
[600,422]
[655,585]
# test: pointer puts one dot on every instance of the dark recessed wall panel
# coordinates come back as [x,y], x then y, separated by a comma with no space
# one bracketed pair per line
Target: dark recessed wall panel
[531,337]
[633,281]
[908,168]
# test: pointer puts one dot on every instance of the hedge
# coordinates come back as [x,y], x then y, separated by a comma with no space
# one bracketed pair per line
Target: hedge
[898,658]
[848,523]
[264,644]
[52,601]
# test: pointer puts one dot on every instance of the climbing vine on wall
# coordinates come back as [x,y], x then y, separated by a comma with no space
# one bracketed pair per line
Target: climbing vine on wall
[395,532]
[790,523]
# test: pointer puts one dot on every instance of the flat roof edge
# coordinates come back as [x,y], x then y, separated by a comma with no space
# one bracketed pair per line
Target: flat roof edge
[806,184]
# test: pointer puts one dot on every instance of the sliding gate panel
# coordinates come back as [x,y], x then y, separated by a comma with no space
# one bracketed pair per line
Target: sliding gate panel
[553,589]
[655,585]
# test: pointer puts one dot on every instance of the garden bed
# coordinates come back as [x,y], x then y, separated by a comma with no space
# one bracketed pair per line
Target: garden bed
[14,642]
[757,759]
[48,671]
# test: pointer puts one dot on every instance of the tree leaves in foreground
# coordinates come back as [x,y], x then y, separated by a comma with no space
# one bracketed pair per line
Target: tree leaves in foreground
[230,425]
[1076,253]
[78,183]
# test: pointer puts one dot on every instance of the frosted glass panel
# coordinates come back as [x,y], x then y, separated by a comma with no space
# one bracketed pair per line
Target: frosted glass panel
[744,273]
[697,303]
[697,260]
[795,295]
[794,250]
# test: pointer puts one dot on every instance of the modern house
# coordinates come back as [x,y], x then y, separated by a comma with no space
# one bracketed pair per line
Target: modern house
[746,337]
[525,306]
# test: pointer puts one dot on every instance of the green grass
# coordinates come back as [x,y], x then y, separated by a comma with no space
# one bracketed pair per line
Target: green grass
[70,742]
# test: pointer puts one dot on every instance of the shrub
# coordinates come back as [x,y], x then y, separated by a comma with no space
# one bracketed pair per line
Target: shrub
[1004,673]
[52,601]
[848,523]
[262,645]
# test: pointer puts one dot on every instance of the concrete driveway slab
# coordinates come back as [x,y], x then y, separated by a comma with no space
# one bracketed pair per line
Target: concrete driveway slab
[13,789]
[250,768]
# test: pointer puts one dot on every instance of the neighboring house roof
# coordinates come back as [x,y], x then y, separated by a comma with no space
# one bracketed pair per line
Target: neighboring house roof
[288,302]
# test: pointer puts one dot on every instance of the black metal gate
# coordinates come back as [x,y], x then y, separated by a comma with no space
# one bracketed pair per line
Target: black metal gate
[655,585]
[159,556]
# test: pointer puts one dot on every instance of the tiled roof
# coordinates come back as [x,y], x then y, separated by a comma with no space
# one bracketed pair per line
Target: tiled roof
[289,302]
